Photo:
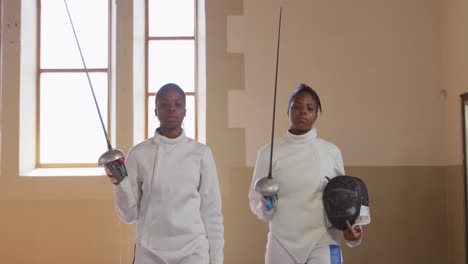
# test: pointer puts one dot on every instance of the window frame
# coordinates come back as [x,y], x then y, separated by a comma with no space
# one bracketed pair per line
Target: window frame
[40,71]
[1,80]
[195,92]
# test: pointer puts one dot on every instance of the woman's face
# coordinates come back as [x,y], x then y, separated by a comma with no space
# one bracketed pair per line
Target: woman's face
[170,109]
[302,113]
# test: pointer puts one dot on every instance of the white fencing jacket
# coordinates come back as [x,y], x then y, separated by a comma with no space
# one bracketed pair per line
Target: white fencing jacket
[172,191]
[300,165]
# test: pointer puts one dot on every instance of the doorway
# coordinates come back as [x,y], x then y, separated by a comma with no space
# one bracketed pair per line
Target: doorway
[464,111]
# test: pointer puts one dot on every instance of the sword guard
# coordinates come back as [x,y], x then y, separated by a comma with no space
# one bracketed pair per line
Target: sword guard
[110,156]
[114,161]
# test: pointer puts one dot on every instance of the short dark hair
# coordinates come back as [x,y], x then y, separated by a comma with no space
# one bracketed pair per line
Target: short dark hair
[166,87]
[304,88]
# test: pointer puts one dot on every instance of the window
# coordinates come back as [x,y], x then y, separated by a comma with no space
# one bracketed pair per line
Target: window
[171,45]
[164,44]
[69,131]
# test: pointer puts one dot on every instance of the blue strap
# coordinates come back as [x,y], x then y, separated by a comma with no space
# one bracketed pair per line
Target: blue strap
[335,254]
[269,204]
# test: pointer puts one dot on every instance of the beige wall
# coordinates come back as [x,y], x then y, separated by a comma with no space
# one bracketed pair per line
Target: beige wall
[375,64]
[454,39]
[454,32]
[378,67]
[389,73]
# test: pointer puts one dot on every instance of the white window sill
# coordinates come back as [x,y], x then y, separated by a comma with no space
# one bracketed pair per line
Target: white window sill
[63,172]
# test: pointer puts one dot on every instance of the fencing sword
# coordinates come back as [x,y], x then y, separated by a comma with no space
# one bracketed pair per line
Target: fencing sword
[113,158]
[268,186]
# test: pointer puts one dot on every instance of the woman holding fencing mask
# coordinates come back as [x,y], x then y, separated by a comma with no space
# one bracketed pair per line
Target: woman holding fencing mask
[172,192]
[298,229]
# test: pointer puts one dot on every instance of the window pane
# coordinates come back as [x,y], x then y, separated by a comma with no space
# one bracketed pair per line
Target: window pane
[171,18]
[189,120]
[171,61]
[153,121]
[70,130]
[58,44]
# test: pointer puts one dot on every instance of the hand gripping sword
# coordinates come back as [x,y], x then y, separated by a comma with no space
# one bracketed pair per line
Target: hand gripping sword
[268,186]
[114,158]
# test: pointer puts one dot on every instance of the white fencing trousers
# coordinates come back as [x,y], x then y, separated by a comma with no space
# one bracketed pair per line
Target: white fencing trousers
[199,255]
[327,251]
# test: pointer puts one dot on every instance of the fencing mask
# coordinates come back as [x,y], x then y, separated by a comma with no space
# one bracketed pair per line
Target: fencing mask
[345,198]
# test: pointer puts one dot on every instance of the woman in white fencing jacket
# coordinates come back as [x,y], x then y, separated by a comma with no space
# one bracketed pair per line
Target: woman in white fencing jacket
[172,192]
[298,229]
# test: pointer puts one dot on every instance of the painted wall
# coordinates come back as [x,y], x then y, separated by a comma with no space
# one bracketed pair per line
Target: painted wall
[454,36]
[377,66]
[388,73]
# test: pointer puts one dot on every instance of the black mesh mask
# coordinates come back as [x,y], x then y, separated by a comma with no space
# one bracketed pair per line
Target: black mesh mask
[345,198]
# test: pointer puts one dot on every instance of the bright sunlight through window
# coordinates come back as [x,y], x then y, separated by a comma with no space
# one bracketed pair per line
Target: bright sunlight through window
[172,57]
[69,131]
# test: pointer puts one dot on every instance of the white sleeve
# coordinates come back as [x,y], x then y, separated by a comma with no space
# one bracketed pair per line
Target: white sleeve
[339,166]
[255,199]
[127,193]
[211,208]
